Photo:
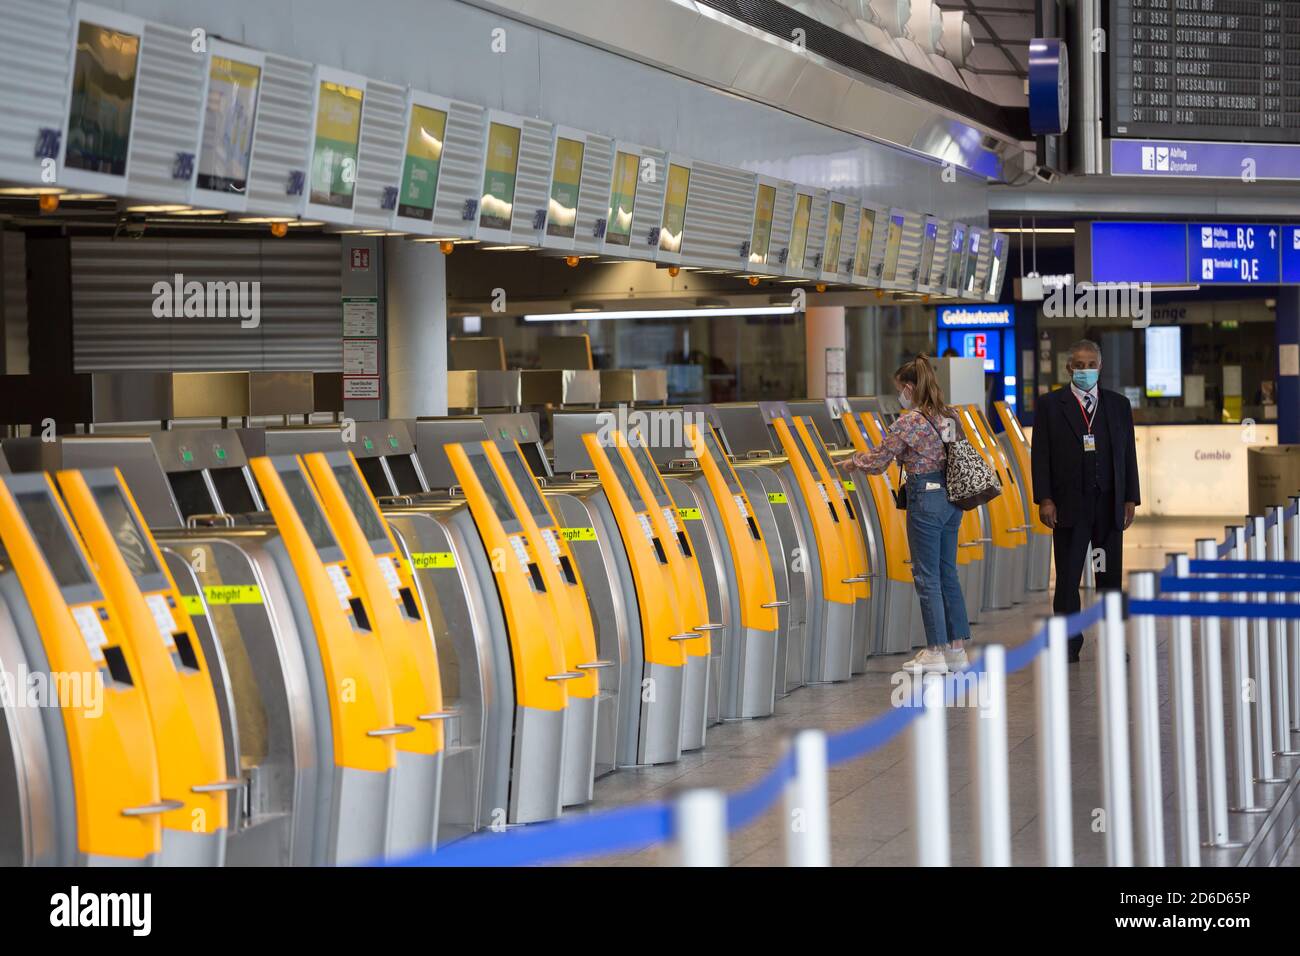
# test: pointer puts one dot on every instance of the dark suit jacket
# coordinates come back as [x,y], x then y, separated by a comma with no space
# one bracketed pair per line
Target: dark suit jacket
[1058,452]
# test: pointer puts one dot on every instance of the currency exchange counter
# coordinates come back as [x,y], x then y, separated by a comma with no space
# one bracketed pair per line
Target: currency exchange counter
[1038,563]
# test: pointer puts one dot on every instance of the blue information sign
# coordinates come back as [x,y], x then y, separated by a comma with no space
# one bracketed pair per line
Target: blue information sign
[1291,254]
[1237,253]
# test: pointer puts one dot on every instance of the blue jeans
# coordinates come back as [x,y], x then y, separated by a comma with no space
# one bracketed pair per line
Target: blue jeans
[932,523]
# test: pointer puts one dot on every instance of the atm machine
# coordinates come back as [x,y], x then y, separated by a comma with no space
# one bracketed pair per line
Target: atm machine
[748,678]
[387,595]
[745,438]
[83,780]
[1039,559]
[173,669]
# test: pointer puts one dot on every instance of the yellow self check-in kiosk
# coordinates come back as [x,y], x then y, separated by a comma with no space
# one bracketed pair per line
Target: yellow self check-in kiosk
[652,728]
[572,620]
[93,790]
[1039,559]
[670,526]
[748,678]
[1015,502]
[1003,526]
[525,774]
[830,638]
[377,573]
[173,671]
[350,690]
[855,549]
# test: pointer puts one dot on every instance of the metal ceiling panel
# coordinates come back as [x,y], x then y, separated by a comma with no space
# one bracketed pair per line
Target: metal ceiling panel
[168,115]
[277,172]
[379,155]
[35,53]
[719,217]
[460,174]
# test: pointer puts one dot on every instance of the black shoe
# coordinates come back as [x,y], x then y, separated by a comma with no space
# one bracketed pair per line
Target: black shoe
[1076,645]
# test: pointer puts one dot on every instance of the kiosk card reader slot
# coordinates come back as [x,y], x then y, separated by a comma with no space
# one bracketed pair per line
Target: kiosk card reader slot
[178,687]
[99,774]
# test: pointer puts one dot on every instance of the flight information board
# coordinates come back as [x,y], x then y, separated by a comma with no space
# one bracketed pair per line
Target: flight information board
[1226,70]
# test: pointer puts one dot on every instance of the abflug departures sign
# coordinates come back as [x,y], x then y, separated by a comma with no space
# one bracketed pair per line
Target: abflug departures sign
[1205,69]
[1201,253]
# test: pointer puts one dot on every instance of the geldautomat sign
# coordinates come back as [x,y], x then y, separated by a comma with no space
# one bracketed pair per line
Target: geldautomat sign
[975,316]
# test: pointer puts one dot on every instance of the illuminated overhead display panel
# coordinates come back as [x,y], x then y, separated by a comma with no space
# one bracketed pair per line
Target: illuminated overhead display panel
[869,247]
[330,189]
[636,198]
[930,230]
[569,177]
[719,217]
[976,248]
[672,227]
[841,231]
[100,119]
[234,90]
[893,273]
[770,223]
[954,266]
[422,152]
[997,268]
[517,170]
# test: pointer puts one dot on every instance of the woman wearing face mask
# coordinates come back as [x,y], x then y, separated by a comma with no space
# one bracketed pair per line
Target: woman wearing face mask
[916,440]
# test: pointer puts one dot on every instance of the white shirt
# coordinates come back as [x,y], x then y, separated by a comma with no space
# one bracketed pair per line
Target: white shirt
[1088,399]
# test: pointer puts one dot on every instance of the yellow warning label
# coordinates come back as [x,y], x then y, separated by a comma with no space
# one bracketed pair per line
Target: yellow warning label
[427,560]
[193,605]
[233,594]
[849,486]
[776,497]
[578,534]
[689,514]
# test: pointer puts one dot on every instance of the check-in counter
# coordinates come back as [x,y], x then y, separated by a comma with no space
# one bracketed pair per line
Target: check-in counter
[748,665]
[1038,561]
[1005,523]
[173,669]
[87,781]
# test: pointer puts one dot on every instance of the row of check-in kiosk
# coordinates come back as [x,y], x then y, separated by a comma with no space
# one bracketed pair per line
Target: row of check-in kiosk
[337,644]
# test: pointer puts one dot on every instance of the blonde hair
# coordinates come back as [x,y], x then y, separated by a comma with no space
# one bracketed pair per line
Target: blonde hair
[927,396]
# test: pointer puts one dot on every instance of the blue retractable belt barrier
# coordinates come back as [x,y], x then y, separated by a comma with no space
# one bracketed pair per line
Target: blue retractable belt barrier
[1176,585]
[1284,568]
[1232,609]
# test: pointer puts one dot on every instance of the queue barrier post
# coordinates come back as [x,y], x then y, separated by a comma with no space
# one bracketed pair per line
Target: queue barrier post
[807,803]
[1278,640]
[993,789]
[1293,626]
[930,774]
[1149,793]
[1243,758]
[1113,717]
[700,827]
[1183,706]
[1262,684]
[1213,729]
[1051,693]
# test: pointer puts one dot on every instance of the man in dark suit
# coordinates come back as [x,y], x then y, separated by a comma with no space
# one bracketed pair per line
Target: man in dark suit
[1085,478]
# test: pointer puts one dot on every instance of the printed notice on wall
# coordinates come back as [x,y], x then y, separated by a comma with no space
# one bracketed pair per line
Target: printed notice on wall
[361,387]
[360,317]
[1288,359]
[360,357]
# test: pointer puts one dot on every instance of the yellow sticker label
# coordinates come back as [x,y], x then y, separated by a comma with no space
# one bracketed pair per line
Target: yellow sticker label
[233,594]
[578,534]
[849,486]
[427,560]
[193,605]
[689,514]
[776,497]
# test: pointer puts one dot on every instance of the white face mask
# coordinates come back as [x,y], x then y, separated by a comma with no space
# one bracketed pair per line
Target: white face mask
[905,398]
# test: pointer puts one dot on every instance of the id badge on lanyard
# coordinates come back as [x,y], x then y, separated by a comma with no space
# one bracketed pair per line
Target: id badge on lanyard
[1089,439]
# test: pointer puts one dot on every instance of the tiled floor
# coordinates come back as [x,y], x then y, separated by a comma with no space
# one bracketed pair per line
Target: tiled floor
[871,797]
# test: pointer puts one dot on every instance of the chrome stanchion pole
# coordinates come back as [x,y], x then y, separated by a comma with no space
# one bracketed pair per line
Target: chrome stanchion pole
[1113,715]
[1051,696]
[1149,795]
[930,775]
[993,788]
[1261,672]
[1182,690]
[807,804]
[1278,639]
[1213,731]
[700,828]
[1293,626]
[1243,757]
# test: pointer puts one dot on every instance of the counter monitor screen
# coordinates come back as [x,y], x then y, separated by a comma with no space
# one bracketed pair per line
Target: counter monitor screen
[407,479]
[363,506]
[724,465]
[126,531]
[648,470]
[834,233]
[972,259]
[955,249]
[372,469]
[622,200]
[310,513]
[893,243]
[799,232]
[1164,347]
[927,250]
[53,536]
[527,486]
[491,485]
[103,95]
[866,230]
[228,125]
[625,479]
[233,490]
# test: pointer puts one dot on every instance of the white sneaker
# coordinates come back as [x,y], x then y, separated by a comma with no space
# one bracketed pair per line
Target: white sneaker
[956,659]
[927,661]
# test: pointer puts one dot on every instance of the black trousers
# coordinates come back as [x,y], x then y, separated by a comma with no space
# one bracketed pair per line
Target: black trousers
[1073,548]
